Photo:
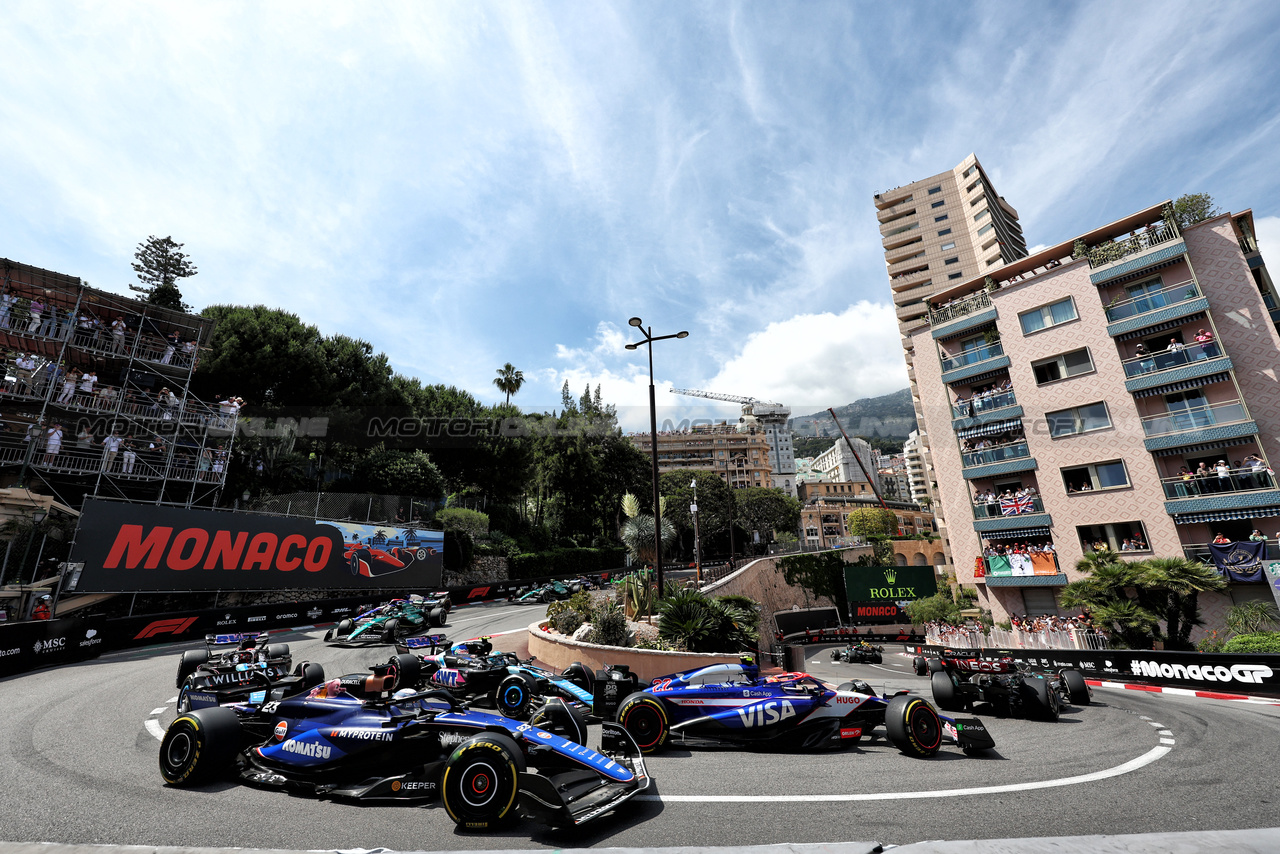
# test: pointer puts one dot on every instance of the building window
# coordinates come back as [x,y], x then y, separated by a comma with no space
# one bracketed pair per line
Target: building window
[1117,536]
[1062,366]
[980,214]
[945,232]
[1090,478]
[986,228]
[1079,419]
[1047,315]
[941,218]
[955,275]
[955,260]
[937,204]
[947,246]
[937,189]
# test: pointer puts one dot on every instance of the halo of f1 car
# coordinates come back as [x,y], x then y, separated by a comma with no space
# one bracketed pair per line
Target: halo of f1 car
[859,653]
[392,621]
[1011,689]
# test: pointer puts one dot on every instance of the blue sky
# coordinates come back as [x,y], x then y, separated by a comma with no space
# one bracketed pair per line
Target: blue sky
[471,183]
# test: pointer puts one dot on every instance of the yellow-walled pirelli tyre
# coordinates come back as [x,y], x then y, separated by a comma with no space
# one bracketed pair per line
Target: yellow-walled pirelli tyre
[200,746]
[644,717]
[481,781]
[913,726]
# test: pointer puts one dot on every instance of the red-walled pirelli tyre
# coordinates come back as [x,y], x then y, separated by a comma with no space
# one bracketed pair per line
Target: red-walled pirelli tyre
[199,746]
[913,726]
[644,717]
[481,781]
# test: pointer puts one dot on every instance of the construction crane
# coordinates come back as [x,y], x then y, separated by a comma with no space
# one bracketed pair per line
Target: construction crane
[773,417]
[711,395]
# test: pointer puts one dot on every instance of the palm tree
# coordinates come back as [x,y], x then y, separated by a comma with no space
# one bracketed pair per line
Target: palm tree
[509,380]
[637,531]
[1114,592]
[1181,581]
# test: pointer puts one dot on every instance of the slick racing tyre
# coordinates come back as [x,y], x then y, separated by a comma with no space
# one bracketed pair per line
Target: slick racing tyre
[835,655]
[481,781]
[944,693]
[918,664]
[277,650]
[1077,688]
[935,664]
[407,671]
[344,628]
[312,674]
[645,718]
[436,617]
[579,675]
[199,746]
[515,694]
[389,629]
[1039,701]
[191,659]
[913,726]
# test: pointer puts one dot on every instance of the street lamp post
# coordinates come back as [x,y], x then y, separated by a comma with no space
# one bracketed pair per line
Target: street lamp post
[697,547]
[649,338]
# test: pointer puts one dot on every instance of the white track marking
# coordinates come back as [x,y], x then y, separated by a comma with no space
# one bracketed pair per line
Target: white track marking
[153,727]
[1152,755]
[172,700]
[160,710]
[1167,741]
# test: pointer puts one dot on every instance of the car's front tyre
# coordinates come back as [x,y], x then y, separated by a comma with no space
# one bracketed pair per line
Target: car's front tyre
[913,726]
[199,746]
[481,781]
[645,718]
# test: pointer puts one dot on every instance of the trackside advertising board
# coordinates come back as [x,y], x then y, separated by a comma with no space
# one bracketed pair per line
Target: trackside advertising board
[875,591]
[129,548]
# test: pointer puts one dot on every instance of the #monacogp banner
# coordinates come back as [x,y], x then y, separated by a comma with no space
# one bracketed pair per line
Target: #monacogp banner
[138,547]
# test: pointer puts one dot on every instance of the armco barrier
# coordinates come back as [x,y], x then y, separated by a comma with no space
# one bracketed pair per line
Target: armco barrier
[1203,671]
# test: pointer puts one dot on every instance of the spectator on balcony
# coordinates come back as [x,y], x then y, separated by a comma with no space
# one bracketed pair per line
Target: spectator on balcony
[52,444]
[171,343]
[1220,540]
[1139,544]
[1203,481]
[119,328]
[1257,536]
[1257,472]
[49,323]
[6,303]
[110,447]
[24,367]
[1176,346]
[1147,364]
[69,386]
[35,309]
[84,440]
[1224,476]
[87,382]
[130,457]
[168,404]
[1208,349]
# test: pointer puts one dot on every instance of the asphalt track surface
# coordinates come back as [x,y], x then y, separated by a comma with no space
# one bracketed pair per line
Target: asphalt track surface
[78,760]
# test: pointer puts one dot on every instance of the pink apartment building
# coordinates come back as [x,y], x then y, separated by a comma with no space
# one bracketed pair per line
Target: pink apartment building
[1066,392]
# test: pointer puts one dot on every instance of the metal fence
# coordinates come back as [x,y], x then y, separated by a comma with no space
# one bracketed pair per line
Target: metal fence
[1068,637]
[399,510]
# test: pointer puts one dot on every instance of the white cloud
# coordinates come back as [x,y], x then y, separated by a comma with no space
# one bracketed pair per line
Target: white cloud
[1268,237]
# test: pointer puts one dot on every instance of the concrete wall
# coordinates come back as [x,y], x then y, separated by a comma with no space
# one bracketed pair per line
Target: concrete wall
[559,652]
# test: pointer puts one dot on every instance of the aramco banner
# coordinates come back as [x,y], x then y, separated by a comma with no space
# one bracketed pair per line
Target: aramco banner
[129,548]
[885,586]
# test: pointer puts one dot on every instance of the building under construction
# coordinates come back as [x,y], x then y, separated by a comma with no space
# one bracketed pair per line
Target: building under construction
[95,398]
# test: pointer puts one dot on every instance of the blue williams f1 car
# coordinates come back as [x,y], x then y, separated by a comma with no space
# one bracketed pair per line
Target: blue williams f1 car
[366,738]
[732,703]
[234,667]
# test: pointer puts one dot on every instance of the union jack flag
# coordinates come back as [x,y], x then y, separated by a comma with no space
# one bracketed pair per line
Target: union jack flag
[1016,506]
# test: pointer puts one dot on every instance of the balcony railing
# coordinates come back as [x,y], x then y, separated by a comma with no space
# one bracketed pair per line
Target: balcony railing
[1152,301]
[985,403]
[1067,637]
[1153,362]
[962,308]
[1001,508]
[1237,480]
[972,356]
[901,230]
[1106,253]
[1200,551]
[140,461]
[1011,451]
[1194,418]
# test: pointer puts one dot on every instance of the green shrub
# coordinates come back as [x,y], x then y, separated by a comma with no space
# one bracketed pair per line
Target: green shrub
[692,621]
[473,522]
[1256,642]
[1211,643]
[567,622]
[608,626]
[560,561]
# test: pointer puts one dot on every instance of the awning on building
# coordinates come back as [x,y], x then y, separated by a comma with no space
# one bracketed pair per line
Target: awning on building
[1059,580]
[1204,446]
[990,429]
[1225,515]
[1170,388]
[1159,327]
[986,376]
[1015,534]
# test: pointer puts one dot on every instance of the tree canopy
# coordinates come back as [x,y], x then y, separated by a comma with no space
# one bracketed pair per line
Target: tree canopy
[1194,207]
[872,522]
[160,263]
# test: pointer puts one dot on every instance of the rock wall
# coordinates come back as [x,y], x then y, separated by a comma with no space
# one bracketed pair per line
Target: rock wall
[484,569]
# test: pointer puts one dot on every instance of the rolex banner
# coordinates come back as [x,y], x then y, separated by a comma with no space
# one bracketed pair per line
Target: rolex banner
[885,586]
[1239,561]
[129,548]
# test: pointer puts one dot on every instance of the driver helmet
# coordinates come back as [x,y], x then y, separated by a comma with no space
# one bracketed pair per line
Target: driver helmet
[328,690]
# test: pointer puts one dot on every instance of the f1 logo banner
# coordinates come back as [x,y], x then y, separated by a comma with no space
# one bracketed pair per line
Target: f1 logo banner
[129,548]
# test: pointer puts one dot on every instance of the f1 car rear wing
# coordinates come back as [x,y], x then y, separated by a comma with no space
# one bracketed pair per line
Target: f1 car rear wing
[433,642]
[237,638]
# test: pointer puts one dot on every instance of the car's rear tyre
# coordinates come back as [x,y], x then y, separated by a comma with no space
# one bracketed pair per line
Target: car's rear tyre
[1077,688]
[1039,701]
[515,694]
[199,746]
[408,670]
[935,665]
[191,659]
[481,781]
[389,629]
[835,655]
[277,650]
[564,720]
[645,718]
[944,693]
[920,666]
[436,617]
[580,675]
[913,726]
[312,674]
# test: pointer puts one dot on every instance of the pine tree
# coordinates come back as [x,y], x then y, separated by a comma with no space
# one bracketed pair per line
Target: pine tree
[160,263]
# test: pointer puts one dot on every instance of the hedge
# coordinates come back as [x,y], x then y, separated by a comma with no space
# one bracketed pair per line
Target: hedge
[1258,642]
[565,561]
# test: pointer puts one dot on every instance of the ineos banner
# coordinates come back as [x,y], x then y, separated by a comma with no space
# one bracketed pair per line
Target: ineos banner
[1216,672]
[129,548]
